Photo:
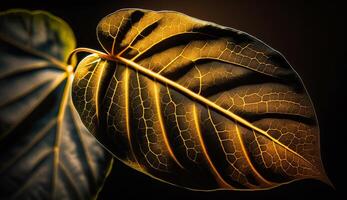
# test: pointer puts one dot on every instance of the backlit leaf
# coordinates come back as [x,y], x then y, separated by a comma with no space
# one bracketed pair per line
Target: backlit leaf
[196,104]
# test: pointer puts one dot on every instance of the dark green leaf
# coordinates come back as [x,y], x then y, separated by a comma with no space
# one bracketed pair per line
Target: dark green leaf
[46,152]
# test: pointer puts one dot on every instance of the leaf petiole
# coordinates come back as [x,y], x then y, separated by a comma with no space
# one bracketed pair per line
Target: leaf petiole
[88,50]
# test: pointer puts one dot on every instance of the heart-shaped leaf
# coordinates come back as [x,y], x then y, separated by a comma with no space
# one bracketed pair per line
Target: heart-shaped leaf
[196,104]
[46,152]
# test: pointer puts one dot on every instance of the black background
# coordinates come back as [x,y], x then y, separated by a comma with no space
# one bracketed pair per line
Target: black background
[309,34]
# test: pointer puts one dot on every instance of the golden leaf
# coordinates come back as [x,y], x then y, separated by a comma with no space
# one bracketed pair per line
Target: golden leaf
[196,104]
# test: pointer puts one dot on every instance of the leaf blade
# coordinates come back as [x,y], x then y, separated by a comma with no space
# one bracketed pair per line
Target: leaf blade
[36,107]
[204,101]
[246,92]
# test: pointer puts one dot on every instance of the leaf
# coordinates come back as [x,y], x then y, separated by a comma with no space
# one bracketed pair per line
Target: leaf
[196,104]
[47,153]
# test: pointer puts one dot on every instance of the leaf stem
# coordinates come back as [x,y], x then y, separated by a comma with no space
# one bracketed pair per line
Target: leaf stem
[88,50]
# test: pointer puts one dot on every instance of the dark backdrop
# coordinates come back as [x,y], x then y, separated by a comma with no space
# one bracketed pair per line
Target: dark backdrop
[309,34]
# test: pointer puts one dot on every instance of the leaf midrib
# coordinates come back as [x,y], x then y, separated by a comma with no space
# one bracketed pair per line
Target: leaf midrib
[201,99]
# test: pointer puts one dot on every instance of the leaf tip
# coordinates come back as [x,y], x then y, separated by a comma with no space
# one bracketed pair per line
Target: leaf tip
[323,177]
